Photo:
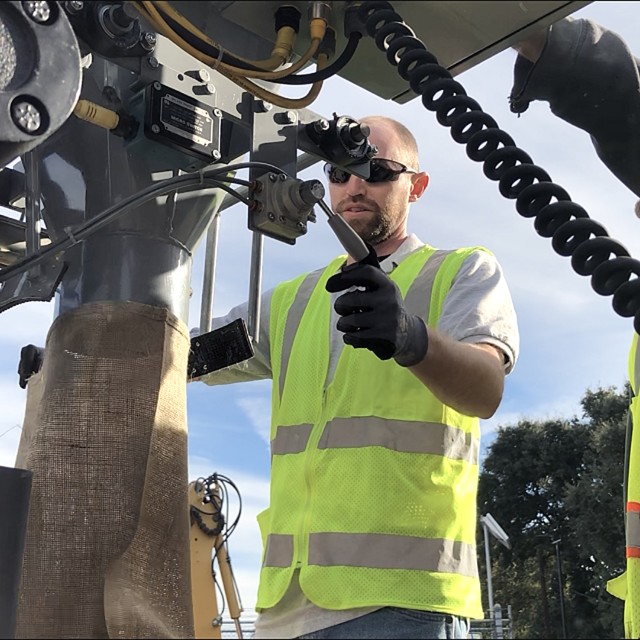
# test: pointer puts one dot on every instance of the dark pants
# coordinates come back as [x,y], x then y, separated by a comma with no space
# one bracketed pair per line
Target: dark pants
[393,622]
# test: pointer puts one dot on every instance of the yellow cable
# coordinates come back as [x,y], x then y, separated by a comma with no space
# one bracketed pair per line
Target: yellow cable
[281,101]
[280,54]
[251,87]
[317,28]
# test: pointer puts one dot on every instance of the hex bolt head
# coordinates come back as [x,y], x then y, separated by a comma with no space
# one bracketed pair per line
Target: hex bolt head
[26,117]
[215,154]
[203,75]
[217,113]
[271,216]
[148,41]
[321,125]
[153,62]
[38,10]
[273,177]
[157,86]
[209,88]
[74,6]
[292,117]
[155,128]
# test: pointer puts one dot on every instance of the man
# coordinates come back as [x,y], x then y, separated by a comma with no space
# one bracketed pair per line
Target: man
[591,79]
[371,527]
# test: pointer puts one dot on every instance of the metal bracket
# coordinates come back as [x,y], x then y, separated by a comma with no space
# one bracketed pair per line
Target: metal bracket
[39,283]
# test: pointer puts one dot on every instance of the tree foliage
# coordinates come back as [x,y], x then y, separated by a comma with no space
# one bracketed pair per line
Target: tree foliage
[556,487]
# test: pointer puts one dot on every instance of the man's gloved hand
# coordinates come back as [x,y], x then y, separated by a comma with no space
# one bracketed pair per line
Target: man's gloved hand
[375,318]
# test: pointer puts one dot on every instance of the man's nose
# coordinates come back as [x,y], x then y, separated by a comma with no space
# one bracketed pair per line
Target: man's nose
[355,186]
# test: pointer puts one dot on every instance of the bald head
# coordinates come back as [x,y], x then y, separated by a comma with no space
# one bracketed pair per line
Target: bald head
[406,143]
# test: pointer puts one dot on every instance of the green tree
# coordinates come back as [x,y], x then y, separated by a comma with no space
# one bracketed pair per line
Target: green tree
[559,481]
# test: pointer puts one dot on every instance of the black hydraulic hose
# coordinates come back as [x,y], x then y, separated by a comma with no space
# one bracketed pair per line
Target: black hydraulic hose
[572,232]
[337,65]
[206,178]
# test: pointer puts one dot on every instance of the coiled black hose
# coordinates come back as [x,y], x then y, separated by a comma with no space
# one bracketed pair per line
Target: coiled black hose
[572,232]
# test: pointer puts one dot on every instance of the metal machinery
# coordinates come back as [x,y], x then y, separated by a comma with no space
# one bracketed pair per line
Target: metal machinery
[133,119]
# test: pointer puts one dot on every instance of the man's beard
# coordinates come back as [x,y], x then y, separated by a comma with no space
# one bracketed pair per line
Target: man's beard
[377,228]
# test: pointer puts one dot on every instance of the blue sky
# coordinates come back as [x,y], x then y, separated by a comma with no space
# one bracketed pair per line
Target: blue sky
[571,339]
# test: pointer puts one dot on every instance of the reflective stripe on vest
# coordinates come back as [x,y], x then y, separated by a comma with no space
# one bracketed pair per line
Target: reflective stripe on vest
[370,431]
[376,551]
[633,529]
[293,321]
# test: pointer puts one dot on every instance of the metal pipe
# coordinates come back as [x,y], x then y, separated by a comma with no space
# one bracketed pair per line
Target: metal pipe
[487,555]
[15,492]
[255,284]
[32,201]
[209,278]
[556,544]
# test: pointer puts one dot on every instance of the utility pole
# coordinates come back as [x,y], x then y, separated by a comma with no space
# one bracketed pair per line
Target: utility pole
[543,590]
[556,543]
[489,525]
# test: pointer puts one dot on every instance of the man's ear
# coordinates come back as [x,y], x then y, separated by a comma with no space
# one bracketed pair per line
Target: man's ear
[419,183]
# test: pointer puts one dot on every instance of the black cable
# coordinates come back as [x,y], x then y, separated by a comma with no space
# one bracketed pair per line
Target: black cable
[336,66]
[555,215]
[201,179]
[205,47]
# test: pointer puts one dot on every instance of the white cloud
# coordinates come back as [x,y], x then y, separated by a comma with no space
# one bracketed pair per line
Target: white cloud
[257,408]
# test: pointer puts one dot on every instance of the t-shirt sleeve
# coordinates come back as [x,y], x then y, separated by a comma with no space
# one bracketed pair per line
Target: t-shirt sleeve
[479,308]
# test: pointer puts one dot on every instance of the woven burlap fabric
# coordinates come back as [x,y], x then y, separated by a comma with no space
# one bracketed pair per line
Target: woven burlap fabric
[107,549]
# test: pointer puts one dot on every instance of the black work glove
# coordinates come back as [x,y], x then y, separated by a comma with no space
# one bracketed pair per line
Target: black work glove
[375,318]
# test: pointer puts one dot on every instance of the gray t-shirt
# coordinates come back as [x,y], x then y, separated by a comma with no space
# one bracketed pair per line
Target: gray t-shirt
[477,309]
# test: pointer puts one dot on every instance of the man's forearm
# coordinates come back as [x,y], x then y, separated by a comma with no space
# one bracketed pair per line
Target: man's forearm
[467,377]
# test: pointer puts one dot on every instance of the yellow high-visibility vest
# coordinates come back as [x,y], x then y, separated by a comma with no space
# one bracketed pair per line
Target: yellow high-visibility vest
[373,480]
[627,585]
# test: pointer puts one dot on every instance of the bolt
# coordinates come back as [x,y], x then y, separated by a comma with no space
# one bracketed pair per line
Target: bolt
[321,125]
[292,117]
[209,88]
[217,113]
[273,177]
[26,117]
[148,41]
[155,128]
[38,11]
[202,75]
[215,154]
[301,226]
[271,216]
[153,62]
[74,6]
[282,177]
[263,106]
[157,86]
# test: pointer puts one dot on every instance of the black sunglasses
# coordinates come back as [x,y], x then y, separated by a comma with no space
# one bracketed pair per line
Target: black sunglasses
[380,170]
